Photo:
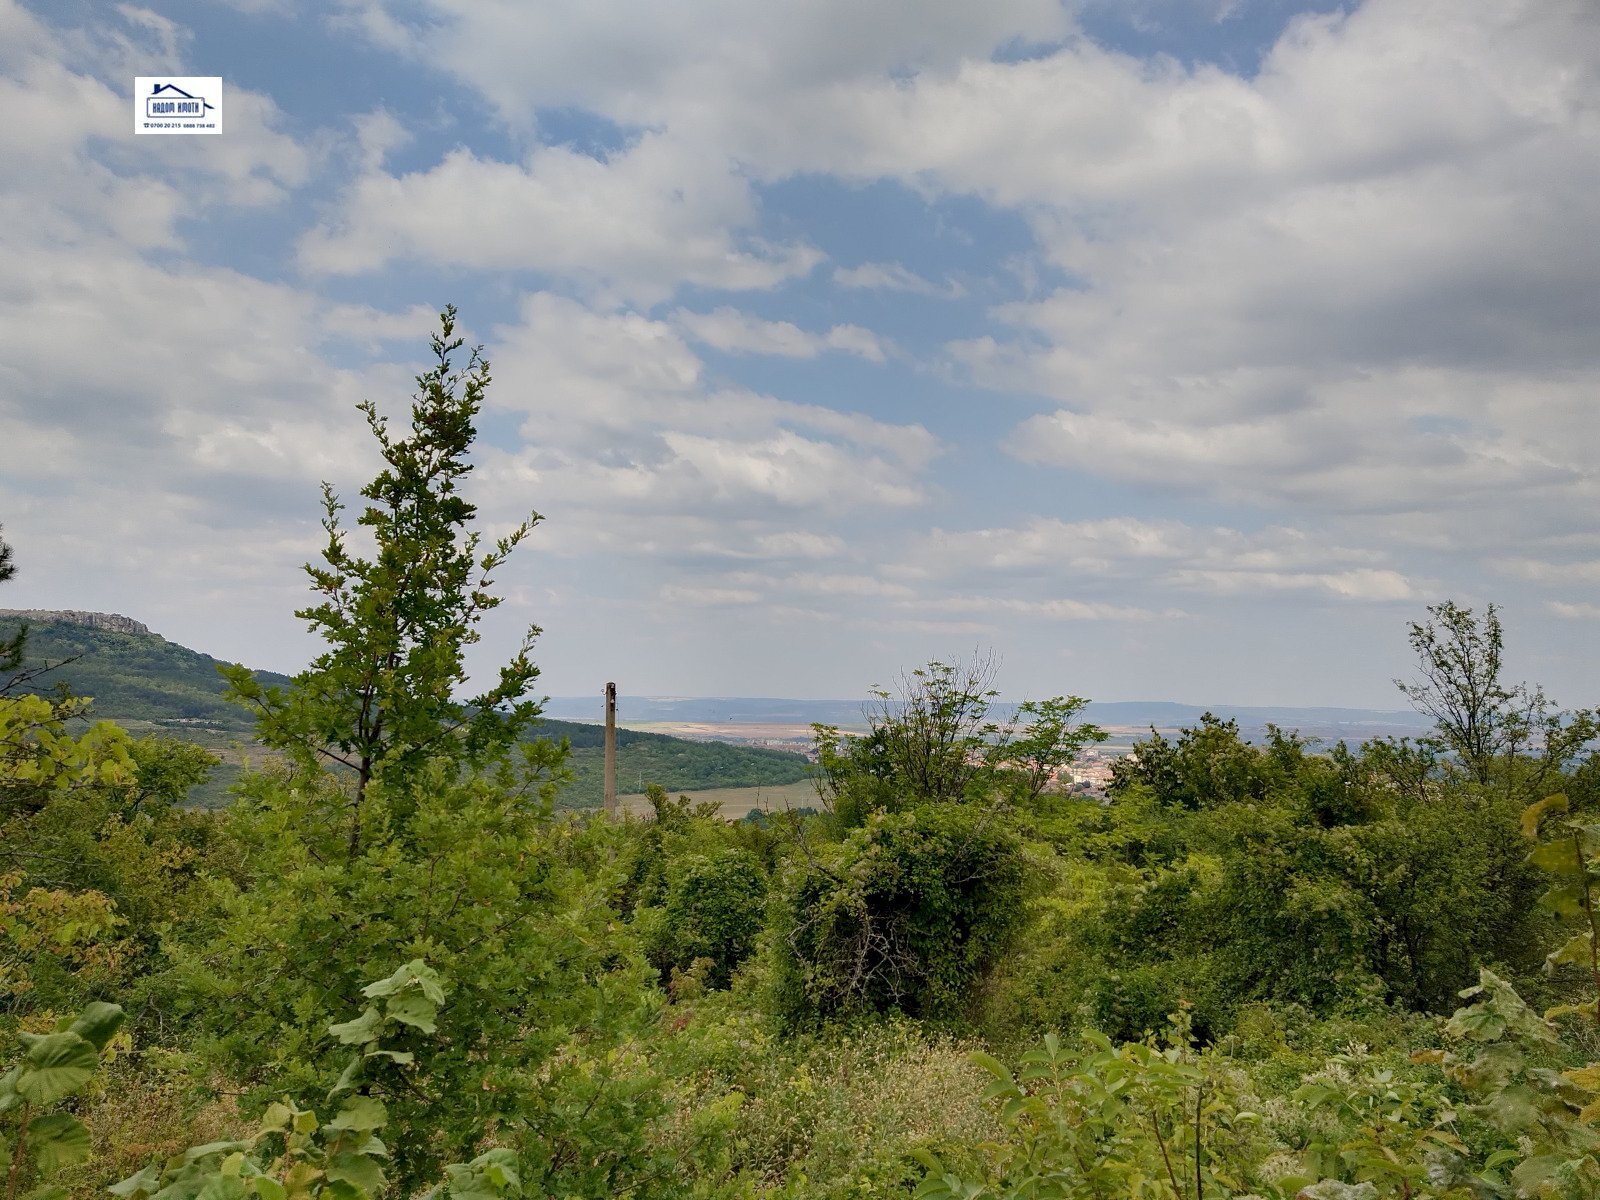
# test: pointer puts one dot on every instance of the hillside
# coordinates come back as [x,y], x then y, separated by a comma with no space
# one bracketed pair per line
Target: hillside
[132,676]
[675,763]
[143,681]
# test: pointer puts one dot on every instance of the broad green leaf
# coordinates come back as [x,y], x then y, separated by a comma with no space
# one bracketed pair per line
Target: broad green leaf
[146,1182]
[361,1114]
[9,1098]
[356,1169]
[1587,1077]
[195,1153]
[415,973]
[347,1077]
[990,1064]
[58,1140]
[1559,857]
[1567,900]
[1575,949]
[364,1028]
[98,1024]
[222,1187]
[414,1009]
[268,1188]
[276,1119]
[55,1066]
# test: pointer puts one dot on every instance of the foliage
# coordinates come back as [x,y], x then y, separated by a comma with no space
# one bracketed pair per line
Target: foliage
[1135,1120]
[134,676]
[296,1156]
[402,820]
[933,742]
[510,904]
[674,763]
[49,932]
[1491,727]
[713,912]
[1207,766]
[37,1139]
[908,912]
[1274,873]
[98,863]
[12,647]
[41,760]
[380,701]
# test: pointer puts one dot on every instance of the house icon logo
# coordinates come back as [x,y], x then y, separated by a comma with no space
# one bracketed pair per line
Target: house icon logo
[177,104]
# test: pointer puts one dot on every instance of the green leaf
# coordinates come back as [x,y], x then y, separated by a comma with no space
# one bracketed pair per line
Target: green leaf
[58,1140]
[1574,950]
[276,1119]
[414,1009]
[268,1188]
[147,1182]
[222,1187]
[8,1090]
[195,1153]
[98,1023]
[415,973]
[1566,900]
[55,1066]
[356,1169]
[364,1028]
[347,1077]
[362,1114]
[1559,857]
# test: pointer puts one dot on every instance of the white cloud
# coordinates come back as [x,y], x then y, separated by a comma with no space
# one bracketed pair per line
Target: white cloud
[735,332]
[892,277]
[637,224]
[1167,554]
[1576,612]
[1540,571]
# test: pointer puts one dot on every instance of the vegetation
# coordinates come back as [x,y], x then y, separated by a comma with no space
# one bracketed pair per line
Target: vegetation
[133,677]
[677,764]
[142,681]
[392,966]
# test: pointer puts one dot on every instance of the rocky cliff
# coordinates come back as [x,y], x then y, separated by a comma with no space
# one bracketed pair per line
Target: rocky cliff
[115,622]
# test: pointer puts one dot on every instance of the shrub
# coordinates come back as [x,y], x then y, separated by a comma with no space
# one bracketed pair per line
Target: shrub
[909,912]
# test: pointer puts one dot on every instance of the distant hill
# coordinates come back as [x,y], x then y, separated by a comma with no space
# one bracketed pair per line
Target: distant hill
[132,674]
[677,764]
[138,678]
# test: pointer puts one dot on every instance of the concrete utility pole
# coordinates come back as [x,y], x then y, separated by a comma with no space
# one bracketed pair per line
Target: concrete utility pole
[611,749]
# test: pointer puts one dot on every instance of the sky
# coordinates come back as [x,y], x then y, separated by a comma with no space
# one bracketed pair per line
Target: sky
[1162,349]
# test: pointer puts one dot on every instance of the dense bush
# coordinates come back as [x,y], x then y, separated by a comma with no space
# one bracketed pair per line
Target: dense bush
[714,911]
[908,912]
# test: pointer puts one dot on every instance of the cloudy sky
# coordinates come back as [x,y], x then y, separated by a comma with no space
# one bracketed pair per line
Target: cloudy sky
[1178,349]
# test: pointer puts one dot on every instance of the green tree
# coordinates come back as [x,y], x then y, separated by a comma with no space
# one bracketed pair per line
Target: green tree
[401,822]
[1492,728]
[933,742]
[381,700]
[11,648]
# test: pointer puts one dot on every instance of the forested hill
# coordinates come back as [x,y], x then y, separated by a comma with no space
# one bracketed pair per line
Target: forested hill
[677,764]
[131,676]
[142,677]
